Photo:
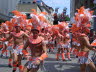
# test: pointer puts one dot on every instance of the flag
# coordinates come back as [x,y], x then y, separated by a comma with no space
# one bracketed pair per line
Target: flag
[56,10]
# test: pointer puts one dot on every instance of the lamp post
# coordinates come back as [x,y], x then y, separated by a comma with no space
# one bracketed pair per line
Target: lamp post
[56,10]
[64,10]
[70,32]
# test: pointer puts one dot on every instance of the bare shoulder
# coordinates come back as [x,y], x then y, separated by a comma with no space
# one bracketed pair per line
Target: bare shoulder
[43,42]
[84,39]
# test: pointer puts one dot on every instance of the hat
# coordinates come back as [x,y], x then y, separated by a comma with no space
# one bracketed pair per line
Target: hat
[35,29]
[82,21]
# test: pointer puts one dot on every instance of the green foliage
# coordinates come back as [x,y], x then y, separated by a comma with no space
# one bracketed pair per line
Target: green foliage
[67,18]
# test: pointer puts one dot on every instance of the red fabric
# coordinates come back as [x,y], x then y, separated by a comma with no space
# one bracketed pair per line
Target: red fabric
[1,46]
[43,56]
[17,34]
[21,67]
[63,56]
[36,41]
[83,54]
[57,56]
[25,52]
[68,54]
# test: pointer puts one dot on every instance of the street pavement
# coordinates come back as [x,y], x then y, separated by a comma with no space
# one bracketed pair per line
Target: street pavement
[50,64]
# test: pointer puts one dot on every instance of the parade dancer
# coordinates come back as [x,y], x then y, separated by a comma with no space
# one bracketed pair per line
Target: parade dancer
[5,34]
[7,44]
[67,44]
[1,43]
[46,35]
[60,51]
[38,51]
[75,47]
[10,49]
[80,32]
[51,44]
[83,53]
[17,48]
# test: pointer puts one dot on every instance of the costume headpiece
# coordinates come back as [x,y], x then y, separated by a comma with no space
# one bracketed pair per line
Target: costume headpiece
[82,20]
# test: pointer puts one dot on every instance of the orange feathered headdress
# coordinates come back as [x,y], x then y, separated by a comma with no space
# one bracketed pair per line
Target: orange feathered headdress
[17,13]
[34,11]
[82,19]
[83,16]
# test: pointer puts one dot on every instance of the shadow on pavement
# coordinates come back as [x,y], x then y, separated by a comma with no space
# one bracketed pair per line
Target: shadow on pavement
[50,59]
[61,67]
[3,65]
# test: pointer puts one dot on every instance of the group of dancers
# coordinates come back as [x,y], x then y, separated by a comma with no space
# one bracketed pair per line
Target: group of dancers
[31,39]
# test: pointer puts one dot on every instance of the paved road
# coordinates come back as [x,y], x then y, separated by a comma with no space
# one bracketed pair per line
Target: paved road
[51,65]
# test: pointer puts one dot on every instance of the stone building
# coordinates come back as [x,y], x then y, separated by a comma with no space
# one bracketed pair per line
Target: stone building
[75,4]
[24,6]
[6,6]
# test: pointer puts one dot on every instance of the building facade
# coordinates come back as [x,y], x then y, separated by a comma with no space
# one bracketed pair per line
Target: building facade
[24,6]
[6,6]
[26,1]
[72,8]
[76,4]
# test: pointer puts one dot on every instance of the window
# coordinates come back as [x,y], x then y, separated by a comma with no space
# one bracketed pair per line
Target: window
[20,1]
[29,2]
[24,2]
[10,14]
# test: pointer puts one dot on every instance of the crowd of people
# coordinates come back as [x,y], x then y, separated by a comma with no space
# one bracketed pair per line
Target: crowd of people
[32,38]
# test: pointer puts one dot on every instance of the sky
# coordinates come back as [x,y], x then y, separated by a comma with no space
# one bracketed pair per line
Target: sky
[60,4]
